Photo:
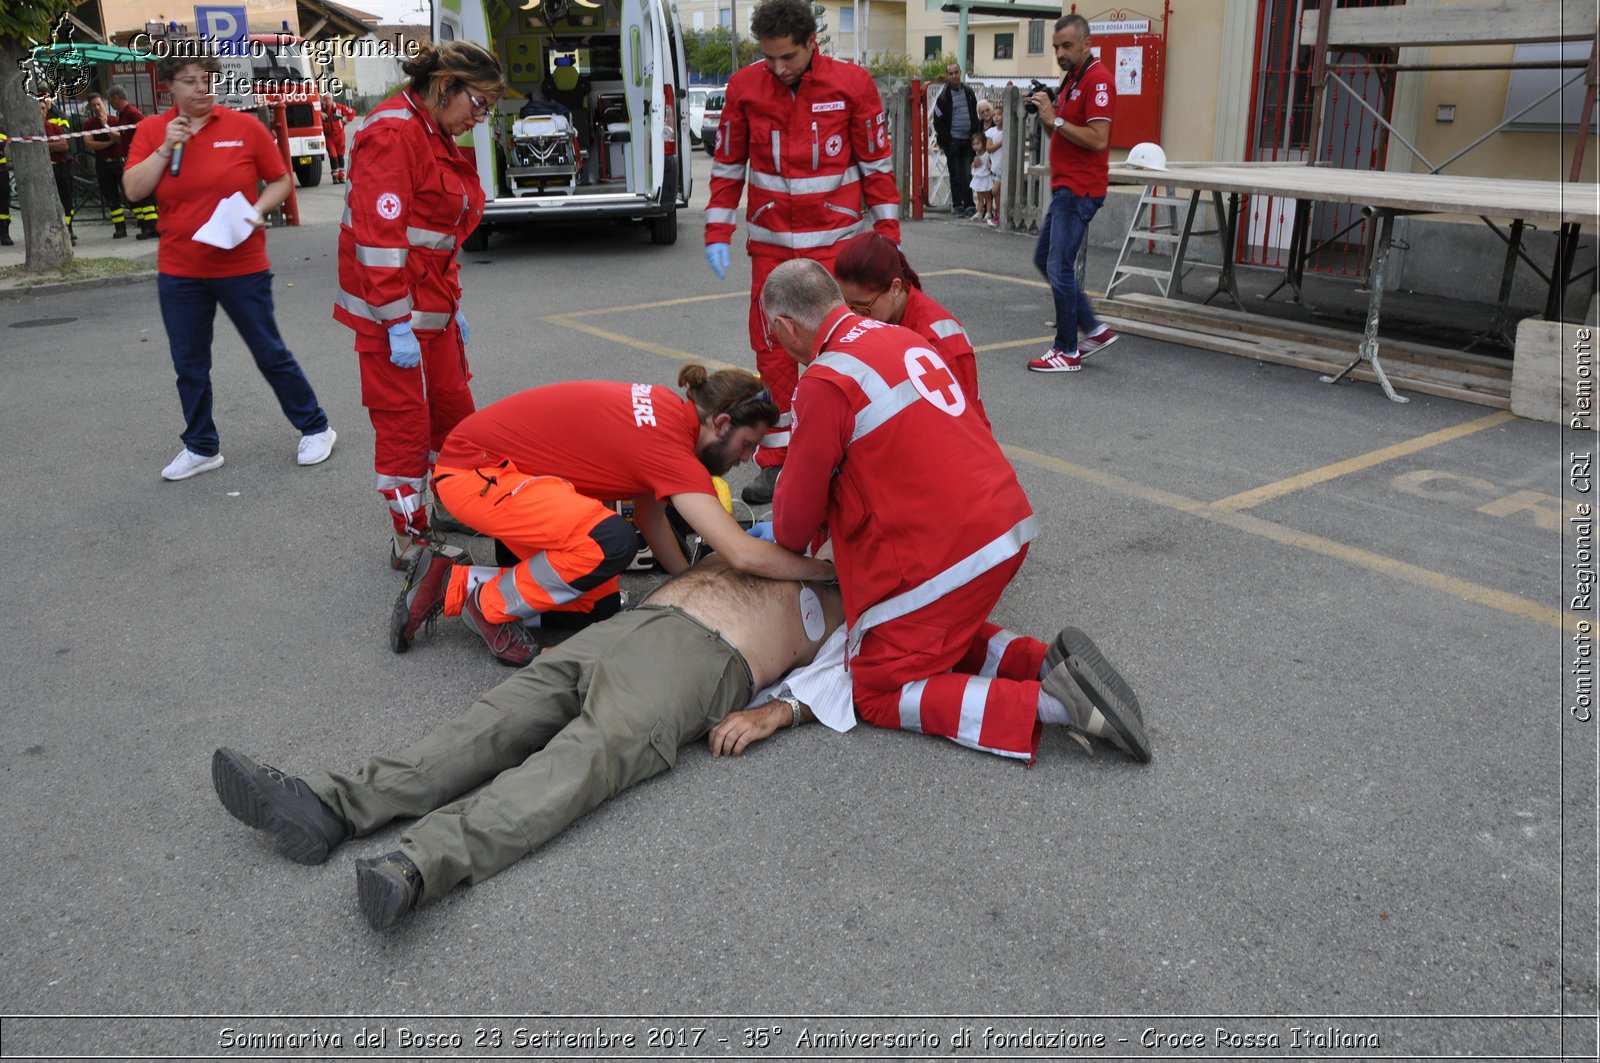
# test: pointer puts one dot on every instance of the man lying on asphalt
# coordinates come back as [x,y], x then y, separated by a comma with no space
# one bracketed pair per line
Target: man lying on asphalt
[604,710]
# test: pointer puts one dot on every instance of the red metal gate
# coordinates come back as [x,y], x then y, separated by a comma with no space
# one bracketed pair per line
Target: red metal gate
[1280,130]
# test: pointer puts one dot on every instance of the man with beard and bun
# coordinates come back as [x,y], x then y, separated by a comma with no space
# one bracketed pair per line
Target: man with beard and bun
[535,470]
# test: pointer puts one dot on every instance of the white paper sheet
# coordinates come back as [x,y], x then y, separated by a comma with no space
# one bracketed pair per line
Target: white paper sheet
[230,224]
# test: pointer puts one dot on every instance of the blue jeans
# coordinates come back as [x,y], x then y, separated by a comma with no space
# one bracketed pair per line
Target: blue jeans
[1066,223]
[188,309]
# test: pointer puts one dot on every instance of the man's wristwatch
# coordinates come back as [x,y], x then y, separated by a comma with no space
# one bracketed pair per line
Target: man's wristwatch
[1060,121]
[794,708]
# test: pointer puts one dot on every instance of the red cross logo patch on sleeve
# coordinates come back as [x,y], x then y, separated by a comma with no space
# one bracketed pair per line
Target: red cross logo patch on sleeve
[934,381]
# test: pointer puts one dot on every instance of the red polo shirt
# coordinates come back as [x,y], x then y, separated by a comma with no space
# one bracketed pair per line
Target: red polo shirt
[1091,97]
[608,440]
[229,154]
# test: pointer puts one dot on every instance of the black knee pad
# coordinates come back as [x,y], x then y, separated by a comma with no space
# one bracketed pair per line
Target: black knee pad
[620,541]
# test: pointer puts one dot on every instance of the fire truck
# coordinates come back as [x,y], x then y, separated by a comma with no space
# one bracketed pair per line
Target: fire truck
[281,71]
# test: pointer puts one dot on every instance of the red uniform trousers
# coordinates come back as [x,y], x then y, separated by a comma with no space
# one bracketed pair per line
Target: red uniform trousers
[572,546]
[945,670]
[412,410]
[779,372]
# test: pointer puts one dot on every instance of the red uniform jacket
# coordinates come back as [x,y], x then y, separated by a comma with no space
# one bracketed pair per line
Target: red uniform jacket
[414,196]
[933,322]
[813,155]
[920,499]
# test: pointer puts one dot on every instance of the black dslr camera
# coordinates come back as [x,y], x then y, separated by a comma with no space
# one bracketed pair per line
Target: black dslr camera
[1028,106]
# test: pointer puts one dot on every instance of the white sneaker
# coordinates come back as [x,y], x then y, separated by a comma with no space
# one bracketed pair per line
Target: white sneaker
[188,464]
[315,448]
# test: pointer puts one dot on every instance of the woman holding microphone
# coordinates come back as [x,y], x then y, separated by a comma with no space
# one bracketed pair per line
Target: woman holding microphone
[193,156]
[413,198]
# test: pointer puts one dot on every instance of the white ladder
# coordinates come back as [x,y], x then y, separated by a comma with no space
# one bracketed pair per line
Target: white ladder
[1168,232]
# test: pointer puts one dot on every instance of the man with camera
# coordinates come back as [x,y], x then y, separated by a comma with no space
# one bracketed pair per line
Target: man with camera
[1078,123]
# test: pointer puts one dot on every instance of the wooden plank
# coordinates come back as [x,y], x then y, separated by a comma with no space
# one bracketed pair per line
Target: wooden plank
[1341,340]
[1461,23]
[1539,202]
[1465,383]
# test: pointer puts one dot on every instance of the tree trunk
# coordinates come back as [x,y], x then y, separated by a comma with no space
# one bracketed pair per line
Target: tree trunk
[44,229]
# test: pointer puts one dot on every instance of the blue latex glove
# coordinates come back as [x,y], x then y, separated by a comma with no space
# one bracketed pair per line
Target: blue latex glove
[404,350]
[762,530]
[717,259]
[461,323]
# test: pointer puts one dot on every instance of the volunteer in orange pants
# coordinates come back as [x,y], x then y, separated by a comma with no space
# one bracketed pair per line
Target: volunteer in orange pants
[573,547]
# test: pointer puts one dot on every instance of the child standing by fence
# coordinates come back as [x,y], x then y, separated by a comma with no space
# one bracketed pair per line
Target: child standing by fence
[983,179]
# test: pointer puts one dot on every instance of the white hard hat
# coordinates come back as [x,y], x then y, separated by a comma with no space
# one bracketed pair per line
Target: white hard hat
[1147,156]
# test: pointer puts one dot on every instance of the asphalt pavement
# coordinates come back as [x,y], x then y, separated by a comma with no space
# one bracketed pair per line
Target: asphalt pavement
[1371,814]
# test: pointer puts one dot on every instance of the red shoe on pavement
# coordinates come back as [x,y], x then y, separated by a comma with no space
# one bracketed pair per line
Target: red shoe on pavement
[1098,340]
[510,642]
[1055,361]
[421,599]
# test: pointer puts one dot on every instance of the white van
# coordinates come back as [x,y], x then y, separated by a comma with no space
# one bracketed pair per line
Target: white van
[606,80]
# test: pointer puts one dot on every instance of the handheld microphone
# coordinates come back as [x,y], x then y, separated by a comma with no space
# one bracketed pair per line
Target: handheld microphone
[177,159]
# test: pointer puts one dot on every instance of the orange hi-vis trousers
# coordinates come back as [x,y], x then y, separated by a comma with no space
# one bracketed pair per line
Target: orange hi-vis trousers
[572,546]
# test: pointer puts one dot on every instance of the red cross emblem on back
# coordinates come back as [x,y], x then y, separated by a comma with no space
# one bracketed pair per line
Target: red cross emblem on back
[934,381]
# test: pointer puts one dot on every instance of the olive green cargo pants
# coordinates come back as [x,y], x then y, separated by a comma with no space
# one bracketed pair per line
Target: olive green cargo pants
[604,710]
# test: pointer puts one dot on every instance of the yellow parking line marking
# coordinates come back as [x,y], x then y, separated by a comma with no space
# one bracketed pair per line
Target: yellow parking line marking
[1013,344]
[643,345]
[597,311]
[1253,525]
[1266,492]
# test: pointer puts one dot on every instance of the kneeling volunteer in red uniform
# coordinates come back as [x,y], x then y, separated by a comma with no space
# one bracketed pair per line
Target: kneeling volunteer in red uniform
[888,448]
[534,471]
[414,197]
[878,282]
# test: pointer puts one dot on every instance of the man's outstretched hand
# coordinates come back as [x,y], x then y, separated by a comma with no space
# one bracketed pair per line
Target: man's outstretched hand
[743,727]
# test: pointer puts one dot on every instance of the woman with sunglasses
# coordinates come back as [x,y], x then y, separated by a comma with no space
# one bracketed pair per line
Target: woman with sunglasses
[413,198]
[878,282]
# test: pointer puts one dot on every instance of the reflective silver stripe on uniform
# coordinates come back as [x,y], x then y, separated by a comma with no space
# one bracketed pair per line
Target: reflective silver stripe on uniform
[911,706]
[785,419]
[886,212]
[1007,545]
[775,439]
[947,328]
[542,573]
[973,696]
[802,186]
[428,319]
[389,483]
[378,116]
[883,401]
[816,238]
[777,152]
[391,257]
[999,642]
[431,239]
[721,216]
[731,170]
[361,308]
[883,165]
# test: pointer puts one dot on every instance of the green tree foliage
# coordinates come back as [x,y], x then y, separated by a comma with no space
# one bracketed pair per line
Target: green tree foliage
[901,65]
[709,53]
